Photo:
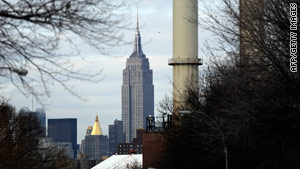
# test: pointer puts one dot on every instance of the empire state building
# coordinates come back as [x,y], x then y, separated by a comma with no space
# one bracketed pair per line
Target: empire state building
[137,90]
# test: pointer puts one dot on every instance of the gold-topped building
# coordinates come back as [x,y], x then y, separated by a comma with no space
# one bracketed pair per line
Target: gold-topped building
[95,144]
[96,128]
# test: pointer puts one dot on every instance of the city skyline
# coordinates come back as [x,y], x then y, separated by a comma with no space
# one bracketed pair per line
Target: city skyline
[104,98]
[223,73]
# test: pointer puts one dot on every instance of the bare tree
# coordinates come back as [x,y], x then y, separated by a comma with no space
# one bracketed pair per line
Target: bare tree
[134,165]
[165,106]
[251,98]
[255,33]
[32,32]
[19,141]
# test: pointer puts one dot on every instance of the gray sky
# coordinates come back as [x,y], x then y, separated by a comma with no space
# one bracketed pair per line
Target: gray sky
[104,98]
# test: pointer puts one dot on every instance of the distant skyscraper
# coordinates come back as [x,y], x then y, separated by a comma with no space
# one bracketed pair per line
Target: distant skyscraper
[116,135]
[137,90]
[251,32]
[95,144]
[41,115]
[64,130]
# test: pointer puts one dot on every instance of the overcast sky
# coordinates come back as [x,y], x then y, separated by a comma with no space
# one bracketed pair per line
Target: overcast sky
[104,98]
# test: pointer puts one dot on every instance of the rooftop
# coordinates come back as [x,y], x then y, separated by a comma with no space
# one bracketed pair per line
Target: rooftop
[120,161]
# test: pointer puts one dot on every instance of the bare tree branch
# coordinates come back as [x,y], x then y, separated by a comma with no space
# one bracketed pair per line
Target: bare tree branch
[31,33]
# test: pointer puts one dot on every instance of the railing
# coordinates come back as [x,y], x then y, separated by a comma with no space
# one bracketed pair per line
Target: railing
[185,61]
[165,120]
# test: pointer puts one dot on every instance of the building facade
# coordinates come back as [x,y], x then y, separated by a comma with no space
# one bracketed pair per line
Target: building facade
[41,115]
[129,148]
[116,135]
[83,162]
[66,147]
[95,144]
[64,130]
[137,90]
[136,147]
[251,31]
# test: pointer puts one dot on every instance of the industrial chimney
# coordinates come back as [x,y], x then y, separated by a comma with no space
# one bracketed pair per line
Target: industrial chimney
[185,60]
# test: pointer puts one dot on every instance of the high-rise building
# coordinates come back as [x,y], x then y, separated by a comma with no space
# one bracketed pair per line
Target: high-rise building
[137,90]
[95,144]
[41,115]
[116,135]
[64,130]
[251,31]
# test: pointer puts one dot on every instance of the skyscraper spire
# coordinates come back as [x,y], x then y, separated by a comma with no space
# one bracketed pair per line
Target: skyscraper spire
[137,49]
[137,89]
[96,128]
[137,18]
